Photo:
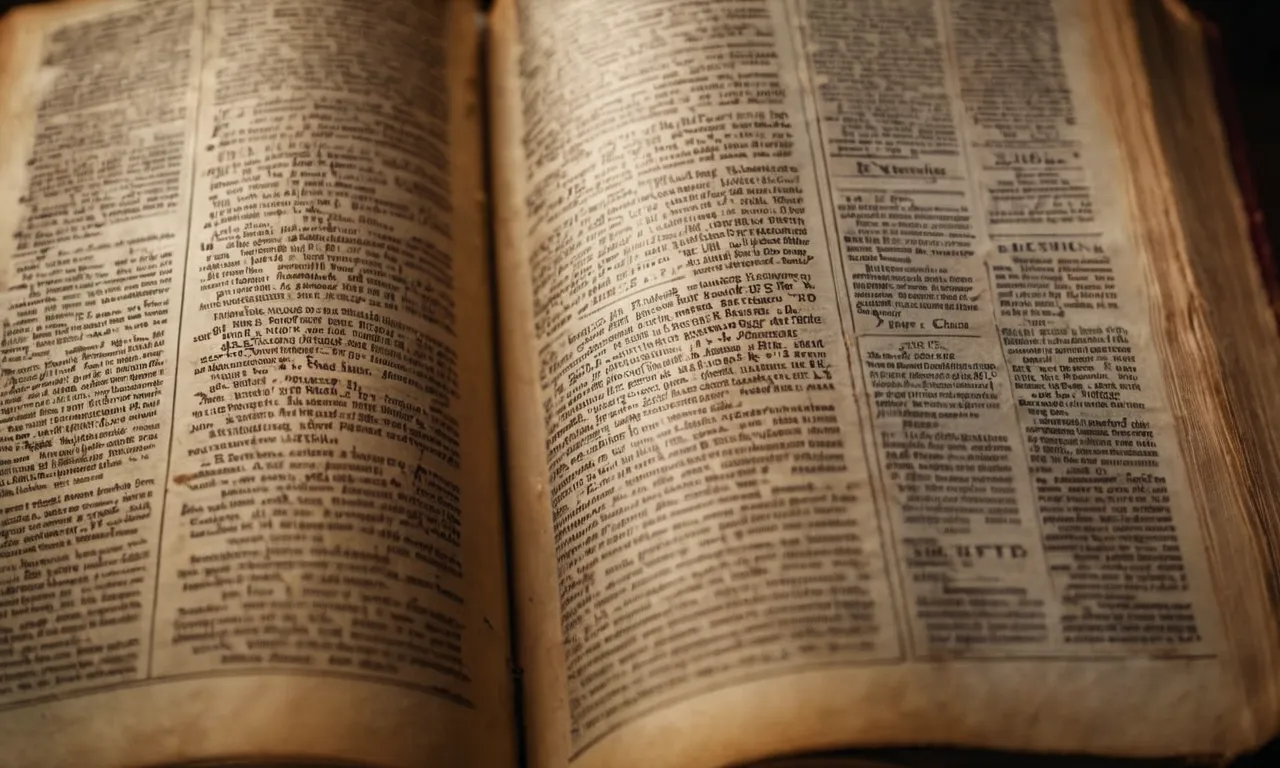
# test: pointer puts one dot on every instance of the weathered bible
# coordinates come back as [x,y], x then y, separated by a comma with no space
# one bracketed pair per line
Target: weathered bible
[657,383]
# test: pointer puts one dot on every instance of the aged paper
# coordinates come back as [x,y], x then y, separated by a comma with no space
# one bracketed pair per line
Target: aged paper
[835,331]
[250,456]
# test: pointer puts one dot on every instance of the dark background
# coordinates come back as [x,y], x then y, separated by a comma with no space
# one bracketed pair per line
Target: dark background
[1249,45]
[1249,49]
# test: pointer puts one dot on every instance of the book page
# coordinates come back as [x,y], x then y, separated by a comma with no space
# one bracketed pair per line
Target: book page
[248,479]
[834,325]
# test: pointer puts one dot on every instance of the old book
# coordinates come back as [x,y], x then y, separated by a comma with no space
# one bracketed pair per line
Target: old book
[845,375]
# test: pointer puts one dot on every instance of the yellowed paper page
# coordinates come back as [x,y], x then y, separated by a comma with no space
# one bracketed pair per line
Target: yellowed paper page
[249,472]
[836,396]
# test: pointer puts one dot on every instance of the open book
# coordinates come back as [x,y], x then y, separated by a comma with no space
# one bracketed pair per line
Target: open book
[849,373]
